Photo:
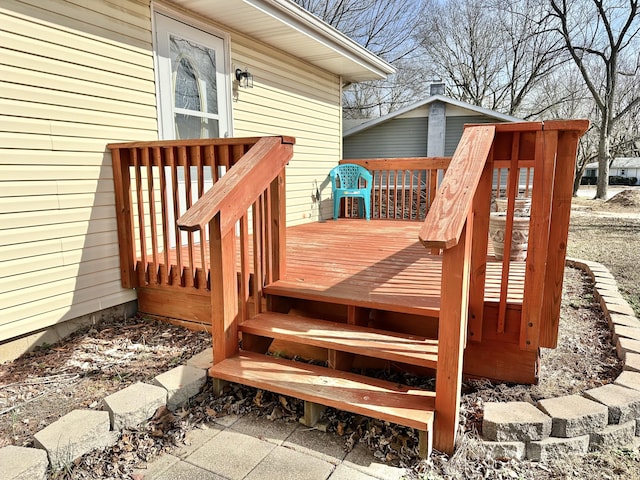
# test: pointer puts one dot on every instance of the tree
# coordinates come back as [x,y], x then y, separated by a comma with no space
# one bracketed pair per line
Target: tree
[601,38]
[386,28]
[494,53]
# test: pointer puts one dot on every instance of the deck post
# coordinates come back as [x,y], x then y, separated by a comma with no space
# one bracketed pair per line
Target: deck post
[558,233]
[456,263]
[278,227]
[534,289]
[122,187]
[224,301]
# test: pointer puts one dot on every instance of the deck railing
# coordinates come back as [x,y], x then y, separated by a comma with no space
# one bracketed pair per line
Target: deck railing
[155,183]
[403,188]
[254,189]
[458,223]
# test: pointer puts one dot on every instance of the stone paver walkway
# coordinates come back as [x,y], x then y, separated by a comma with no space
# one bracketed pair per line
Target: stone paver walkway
[254,448]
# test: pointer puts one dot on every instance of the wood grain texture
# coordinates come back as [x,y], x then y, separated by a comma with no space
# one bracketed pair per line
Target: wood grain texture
[545,153]
[446,218]
[371,342]
[456,263]
[388,401]
[558,234]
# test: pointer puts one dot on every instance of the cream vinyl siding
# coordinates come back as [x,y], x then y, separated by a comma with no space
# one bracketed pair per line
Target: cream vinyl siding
[290,97]
[74,76]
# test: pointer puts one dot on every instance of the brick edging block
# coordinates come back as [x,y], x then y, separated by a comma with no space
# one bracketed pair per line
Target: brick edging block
[619,401]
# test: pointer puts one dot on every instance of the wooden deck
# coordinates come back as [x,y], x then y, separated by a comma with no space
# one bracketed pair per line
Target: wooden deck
[414,295]
[376,264]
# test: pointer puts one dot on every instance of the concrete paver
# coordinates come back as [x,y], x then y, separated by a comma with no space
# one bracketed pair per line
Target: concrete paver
[264,429]
[342,472]
[326,446]
[157,467]
[187,471]
[362,460]
[194,439]
[22,463]
[286,464]
[231,454]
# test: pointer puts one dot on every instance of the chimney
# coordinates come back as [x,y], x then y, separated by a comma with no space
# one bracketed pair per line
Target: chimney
[436,88]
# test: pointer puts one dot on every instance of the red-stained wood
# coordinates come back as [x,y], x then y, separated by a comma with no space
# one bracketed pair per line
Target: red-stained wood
[558,233]
[546,149]
[448,214]
[456,262]
[224,297]
[360,340]
[124,217]
[480,245]
[245,268]
[158,161]
[234,193]
[513,179]
[205,142]
[278,227]
[403,197]
[388,401]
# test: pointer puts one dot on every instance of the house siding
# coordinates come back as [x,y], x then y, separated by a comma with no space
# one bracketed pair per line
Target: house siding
[455,127]
[399,137]
[74,77]
[290,97]
[78,75]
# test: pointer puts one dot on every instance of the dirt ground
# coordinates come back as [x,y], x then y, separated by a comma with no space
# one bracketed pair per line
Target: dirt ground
[40,387]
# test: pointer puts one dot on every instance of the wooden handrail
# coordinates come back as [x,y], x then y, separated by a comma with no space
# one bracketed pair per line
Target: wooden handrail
[446,219]
[236,191]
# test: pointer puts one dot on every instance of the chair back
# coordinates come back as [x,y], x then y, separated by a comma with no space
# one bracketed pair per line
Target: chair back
[348,175]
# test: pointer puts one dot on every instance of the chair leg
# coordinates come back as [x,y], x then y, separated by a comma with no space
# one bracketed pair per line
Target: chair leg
[367,207]
[360,207]
[336,207]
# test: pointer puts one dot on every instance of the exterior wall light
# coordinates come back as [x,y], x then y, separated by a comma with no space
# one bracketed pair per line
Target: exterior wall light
[245,79]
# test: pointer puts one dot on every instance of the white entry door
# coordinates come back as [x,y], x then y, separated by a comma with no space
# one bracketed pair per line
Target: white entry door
[194,100]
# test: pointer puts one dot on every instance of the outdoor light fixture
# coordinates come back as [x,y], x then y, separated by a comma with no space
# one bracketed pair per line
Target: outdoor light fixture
[245,79]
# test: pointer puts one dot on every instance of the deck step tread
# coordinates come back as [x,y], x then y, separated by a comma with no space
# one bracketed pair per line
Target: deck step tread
[395,299]
[347,391]
[398,347]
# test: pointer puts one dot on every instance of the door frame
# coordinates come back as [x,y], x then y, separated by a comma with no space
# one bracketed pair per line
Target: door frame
[191,22]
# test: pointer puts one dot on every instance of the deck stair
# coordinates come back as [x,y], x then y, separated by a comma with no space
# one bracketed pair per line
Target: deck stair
[333,387]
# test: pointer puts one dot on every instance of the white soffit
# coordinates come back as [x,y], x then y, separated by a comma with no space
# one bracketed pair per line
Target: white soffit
[286,26]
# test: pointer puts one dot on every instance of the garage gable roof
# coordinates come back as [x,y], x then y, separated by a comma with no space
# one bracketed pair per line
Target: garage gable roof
[433,98]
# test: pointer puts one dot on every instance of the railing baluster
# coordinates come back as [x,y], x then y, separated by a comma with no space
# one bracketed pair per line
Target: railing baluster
[257,256]
[142,274]
[153,275]
[512,192]
[159,160]
[245,270]
[176,274]
[184,163]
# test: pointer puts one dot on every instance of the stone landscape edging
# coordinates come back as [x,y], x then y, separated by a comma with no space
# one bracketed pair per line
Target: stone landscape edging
[576,424]
[84,430]
[526,433]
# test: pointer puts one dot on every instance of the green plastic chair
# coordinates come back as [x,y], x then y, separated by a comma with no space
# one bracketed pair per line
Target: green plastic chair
[345,182]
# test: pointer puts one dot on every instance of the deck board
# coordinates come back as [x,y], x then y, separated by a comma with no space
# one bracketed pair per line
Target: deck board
[377,264]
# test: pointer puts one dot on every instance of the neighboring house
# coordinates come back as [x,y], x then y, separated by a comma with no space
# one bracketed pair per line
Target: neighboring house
[76,76]
[628,168]
[429,128]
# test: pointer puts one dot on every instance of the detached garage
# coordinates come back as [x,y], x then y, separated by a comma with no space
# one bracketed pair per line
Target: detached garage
[429,128]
